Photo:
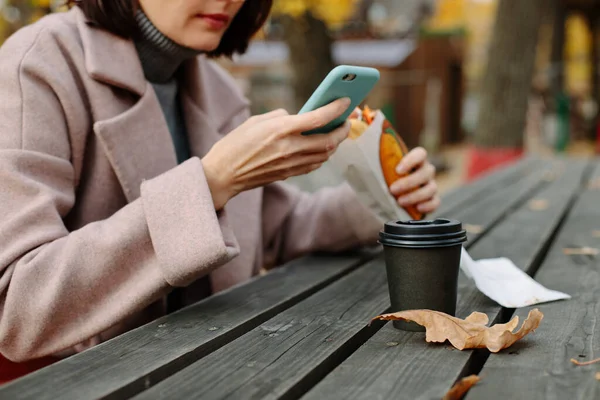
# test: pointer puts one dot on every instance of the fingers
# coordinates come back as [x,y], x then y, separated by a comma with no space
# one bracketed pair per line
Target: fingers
[419,196]
[413,159]
[327,142]
[340,134]
[420,177]
[430,205]
[317,118]
[284,166]
[270,115]
[279,175]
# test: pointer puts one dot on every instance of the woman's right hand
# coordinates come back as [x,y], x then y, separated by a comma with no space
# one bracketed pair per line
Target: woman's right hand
[270,147]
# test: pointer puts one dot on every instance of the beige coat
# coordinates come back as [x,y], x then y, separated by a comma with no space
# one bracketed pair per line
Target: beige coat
[97,220]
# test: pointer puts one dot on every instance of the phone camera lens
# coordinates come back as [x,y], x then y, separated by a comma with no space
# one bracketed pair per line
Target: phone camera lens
[348,77]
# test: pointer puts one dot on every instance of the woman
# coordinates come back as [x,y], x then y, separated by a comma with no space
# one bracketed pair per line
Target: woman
[130,166]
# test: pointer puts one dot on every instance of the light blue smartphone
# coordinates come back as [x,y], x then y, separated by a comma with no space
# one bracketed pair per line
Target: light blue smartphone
[343,81]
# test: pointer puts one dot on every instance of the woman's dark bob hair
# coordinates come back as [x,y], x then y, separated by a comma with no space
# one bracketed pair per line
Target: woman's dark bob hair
[118,17]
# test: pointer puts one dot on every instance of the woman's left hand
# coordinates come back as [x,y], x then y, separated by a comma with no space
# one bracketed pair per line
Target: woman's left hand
[422,178]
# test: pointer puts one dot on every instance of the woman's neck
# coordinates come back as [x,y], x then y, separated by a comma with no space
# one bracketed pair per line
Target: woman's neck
[160,56]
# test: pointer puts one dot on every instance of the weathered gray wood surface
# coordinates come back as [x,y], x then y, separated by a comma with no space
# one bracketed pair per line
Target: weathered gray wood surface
[290,351]
[139,359]
[291,367]
[395,364]
[307,324]
[457,198]
[136,360]
[492,209]
[540,367]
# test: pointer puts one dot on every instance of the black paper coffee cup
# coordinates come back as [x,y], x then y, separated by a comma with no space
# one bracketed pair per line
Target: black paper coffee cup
[422,260]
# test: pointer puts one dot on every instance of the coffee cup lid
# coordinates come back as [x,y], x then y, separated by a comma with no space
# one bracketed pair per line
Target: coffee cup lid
[440,232]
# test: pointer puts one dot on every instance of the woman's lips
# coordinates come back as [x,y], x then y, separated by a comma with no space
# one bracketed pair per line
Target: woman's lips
[215,21]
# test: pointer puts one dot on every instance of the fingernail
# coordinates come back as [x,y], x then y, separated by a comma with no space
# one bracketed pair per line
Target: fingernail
[400,169]
[346,102]
[403,201]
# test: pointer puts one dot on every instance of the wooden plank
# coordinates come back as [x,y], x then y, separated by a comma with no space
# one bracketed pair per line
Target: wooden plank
[480,217]
[486,185]
[288,353]
[137,359]
[540,367]
[396,364]
[289,367]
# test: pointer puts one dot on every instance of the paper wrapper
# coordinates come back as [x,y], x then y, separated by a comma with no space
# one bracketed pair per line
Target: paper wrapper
[368,159]
[505,283]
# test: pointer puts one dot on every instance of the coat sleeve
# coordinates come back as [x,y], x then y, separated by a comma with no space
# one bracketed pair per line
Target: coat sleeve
[331,219]
[58,287]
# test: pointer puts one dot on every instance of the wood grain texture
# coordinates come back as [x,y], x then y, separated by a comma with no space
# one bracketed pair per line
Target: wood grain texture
[540,367]
[396,364]
[291,351]
[288,383]
[290,367]
[136,360]
[139,359]
[487,185]
[493,209]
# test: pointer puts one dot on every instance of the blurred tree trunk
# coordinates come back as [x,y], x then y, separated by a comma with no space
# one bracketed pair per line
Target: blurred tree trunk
[506,84]
[310,46]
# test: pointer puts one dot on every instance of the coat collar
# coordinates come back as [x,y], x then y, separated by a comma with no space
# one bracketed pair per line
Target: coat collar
[113,60]
[110,58]
[137,141]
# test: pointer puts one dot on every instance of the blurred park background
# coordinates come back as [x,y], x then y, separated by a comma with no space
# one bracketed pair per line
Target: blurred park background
[478,83]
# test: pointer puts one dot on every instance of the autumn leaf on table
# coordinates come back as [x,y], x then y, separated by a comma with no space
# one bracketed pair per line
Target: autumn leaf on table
[470,333]
[461,387]
[580,363]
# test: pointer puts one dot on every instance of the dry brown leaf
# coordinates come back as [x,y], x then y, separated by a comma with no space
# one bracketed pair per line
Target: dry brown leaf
[581,251]
[598,376]
[550,176]
[594,184]
[475,229]
[461,387]
[538,204]
[470,333]
[580,363]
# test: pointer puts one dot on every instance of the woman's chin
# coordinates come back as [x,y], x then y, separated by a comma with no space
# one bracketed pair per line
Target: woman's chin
[203,41]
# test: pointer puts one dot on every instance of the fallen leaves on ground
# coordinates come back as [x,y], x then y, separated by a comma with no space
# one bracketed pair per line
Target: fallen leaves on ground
[581,251]
[538,204]
[550,176]
[470,333]
[580,363]
[461,387]
[598,376]
[474,229]
[594,184]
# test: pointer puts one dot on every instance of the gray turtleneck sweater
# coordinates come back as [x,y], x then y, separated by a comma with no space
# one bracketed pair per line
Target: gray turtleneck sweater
[161,59]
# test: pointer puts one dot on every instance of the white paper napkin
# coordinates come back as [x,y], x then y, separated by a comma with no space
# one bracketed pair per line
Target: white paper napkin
[505,283]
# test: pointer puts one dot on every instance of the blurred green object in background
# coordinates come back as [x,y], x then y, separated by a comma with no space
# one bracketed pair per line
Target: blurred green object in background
[562,128]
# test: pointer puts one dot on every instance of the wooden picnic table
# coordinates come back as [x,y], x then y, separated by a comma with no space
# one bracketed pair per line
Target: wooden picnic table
[302,331]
